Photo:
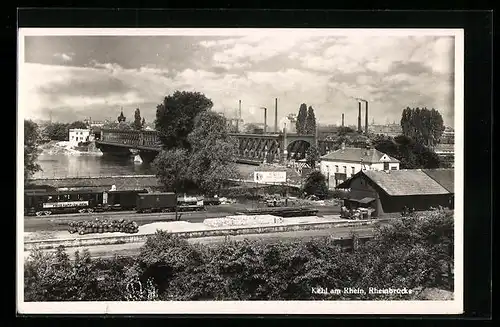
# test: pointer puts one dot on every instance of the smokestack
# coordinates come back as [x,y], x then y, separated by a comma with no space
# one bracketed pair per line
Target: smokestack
[342,120]
[276,115]
[359,117]
[239,117]
[366,117]
[265,120]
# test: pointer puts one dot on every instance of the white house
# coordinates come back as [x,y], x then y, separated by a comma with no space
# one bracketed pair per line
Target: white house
[341,164]
[77,135]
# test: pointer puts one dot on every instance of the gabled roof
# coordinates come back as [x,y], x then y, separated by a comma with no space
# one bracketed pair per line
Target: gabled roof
[356,155]
[401,182]
[444,176]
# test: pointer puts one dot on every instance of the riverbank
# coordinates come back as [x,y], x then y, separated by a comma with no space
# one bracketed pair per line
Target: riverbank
[67,148]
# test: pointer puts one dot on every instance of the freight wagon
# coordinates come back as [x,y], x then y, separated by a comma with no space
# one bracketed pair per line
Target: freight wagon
[156,202]
[46,202]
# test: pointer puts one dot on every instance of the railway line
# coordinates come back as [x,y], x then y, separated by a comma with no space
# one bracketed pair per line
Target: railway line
[133,249]
[61,221]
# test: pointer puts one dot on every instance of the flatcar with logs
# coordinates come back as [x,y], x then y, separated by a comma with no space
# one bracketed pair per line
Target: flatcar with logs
[42,202]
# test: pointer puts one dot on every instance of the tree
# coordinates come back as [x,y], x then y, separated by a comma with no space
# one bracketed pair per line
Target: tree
[57,131]
[143,123]
[175,117]
[300,123]
[310,124]
[137,124]
[250,128]
[316,185]
[422,125]
[77,125]
[171,168]
[411,155]
[212,156]
[312,156]
[31,149]
[124,126]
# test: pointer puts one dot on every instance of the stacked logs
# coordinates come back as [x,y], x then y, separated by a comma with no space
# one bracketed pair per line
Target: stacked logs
[103,226]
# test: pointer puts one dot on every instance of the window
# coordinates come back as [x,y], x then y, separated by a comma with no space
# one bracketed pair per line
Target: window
[353,170]
[394,168]
[345,170]
[386,166]
[336,168]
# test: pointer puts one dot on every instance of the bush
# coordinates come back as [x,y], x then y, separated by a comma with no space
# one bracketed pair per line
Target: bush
[412,253]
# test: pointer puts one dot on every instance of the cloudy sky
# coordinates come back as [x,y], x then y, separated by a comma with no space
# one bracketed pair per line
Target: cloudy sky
[74,77]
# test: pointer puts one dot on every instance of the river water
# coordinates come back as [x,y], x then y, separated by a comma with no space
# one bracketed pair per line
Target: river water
[64,165]
[84,165]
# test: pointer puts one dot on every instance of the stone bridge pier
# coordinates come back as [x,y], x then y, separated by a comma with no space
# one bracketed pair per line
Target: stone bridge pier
[114,151]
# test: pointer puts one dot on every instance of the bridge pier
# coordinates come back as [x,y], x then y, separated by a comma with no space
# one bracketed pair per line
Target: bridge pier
[147,156]
[114,151]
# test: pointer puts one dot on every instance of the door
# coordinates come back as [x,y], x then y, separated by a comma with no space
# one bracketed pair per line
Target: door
[386,166]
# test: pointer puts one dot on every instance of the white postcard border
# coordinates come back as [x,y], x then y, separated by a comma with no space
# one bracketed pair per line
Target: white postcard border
[255,307]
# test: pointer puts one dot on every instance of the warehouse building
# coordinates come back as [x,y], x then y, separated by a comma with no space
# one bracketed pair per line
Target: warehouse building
[391,190]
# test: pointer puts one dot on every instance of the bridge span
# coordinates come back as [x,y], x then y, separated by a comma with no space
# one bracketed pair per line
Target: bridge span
[252,148]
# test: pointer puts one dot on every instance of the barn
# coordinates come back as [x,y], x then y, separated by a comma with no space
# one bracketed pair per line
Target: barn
[390,191]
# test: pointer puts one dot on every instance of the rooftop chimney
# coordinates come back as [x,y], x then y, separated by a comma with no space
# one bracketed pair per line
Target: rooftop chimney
[359,117]
[276,116]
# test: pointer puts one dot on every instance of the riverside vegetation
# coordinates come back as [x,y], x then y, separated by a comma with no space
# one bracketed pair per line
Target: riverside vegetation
[415,252]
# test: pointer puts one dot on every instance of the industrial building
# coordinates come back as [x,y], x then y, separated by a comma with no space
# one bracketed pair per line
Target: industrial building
[391,190]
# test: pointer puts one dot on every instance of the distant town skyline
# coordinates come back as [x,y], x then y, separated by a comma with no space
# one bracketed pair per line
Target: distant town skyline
[77,77]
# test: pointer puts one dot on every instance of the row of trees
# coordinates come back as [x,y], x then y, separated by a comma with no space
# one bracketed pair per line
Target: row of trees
[198,153]
[31,149]
[60,131]
[139,123]
[306,120]
[413,253]
[422,125]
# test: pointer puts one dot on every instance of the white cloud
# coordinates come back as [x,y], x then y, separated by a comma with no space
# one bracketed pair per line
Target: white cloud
[64,56]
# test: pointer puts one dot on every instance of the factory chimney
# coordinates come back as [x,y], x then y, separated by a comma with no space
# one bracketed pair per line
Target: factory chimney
[359,116]
[366,117]
[239,117]
[342,120]
[276,115]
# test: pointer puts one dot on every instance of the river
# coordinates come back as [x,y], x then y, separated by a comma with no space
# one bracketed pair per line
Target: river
[63,165]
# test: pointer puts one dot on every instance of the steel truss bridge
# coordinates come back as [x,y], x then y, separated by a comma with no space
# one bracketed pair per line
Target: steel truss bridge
[252,148]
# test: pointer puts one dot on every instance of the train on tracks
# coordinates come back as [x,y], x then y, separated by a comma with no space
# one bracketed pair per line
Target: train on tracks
[42,202]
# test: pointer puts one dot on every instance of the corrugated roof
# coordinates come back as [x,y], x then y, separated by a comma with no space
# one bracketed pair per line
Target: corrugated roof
[444,176]
[356,154]
[406,182]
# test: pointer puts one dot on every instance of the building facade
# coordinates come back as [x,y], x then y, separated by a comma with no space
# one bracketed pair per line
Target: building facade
[77,135]
[341,164]
[391,191]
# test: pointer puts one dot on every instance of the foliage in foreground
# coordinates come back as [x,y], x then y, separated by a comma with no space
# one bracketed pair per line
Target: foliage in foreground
[413,253]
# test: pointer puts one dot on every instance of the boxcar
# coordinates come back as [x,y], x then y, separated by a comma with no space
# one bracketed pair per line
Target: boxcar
[154,202]
[120,200]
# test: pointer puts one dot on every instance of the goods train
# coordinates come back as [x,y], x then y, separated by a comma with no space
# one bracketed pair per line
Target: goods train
[46,202]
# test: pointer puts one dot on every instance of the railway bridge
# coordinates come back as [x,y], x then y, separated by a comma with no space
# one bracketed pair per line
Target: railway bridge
[252,148]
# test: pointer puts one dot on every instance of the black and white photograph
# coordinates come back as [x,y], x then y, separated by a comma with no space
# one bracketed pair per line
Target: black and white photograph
[240,171]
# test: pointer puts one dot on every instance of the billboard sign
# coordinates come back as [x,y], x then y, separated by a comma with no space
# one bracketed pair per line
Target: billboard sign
[269,177]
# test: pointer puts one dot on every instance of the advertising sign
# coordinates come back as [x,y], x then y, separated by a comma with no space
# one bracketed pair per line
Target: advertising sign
[269,177]
[66,204]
